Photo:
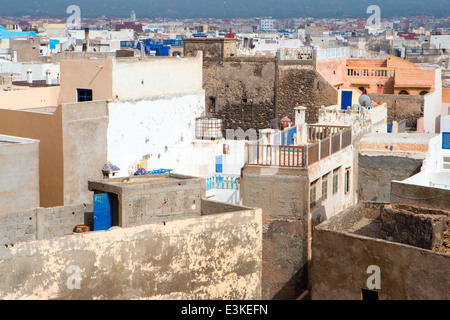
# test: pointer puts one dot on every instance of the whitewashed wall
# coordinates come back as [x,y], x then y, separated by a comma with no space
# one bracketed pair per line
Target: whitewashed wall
[162,127]
[156,76]
[433,105]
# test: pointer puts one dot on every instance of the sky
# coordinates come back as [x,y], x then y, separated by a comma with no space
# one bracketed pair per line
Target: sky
[227,8]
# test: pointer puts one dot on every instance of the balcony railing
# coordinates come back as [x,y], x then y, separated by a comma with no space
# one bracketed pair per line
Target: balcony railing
[324,141]
[366,72]
[277,156]
[223,181]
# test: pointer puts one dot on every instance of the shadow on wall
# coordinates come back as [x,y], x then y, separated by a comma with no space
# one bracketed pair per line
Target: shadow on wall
[295,287]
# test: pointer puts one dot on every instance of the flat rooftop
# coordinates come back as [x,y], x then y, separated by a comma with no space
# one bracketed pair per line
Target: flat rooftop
[408,138]
[5,140]
[399,223]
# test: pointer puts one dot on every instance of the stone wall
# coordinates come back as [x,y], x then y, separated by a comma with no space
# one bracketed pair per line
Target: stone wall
[418,227]
[208,257]
[243,91]
[405,107]
[248,92]
[301,85]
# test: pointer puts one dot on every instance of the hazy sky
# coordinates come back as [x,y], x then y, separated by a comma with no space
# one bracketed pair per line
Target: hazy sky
[227,8]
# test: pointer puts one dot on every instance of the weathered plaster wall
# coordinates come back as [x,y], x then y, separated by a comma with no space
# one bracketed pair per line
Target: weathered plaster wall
[348,256]
[84,146]
[210,257]
[160,129]
[283,198]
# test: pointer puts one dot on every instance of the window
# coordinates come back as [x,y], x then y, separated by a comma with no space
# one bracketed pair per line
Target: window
[404,92]
[336,180]
[84,95]
[313,195]
[325,187]
[446,140]
[212,104]
[347,180]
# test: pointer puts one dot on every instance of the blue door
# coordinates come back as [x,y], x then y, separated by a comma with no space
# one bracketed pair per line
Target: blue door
[346,99]
[219,164]
[102,211]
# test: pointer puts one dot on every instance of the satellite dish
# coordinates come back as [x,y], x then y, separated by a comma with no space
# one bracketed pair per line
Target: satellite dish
[364,100]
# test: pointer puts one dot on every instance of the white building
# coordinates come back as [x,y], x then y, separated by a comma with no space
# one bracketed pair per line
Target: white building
[266,25]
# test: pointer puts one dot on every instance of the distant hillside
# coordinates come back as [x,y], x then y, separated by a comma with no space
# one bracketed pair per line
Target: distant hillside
[232,8]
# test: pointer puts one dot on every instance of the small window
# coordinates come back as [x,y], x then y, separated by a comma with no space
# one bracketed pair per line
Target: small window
[347,180]
[84,95]
[324,187]
[212,104]
[446,140]
[369,294]
[336,180]
[313,195]
[404,92]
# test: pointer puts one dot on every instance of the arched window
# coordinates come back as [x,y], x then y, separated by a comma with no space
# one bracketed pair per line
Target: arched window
[404,92]
[423,93]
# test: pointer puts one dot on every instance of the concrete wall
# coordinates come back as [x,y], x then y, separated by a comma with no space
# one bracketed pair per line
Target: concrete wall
[209,257]
[27,49]
[19,174]
[283,198]
[47,128]
[84,148]
[156,198]
[43,223]
[419,195]
[341,260]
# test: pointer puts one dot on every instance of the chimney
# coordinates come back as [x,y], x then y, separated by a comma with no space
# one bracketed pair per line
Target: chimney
[47,77]
[30,76]
[142,51]
[86,40]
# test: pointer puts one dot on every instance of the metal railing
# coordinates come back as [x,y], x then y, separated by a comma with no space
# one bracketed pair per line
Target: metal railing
[223,181]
